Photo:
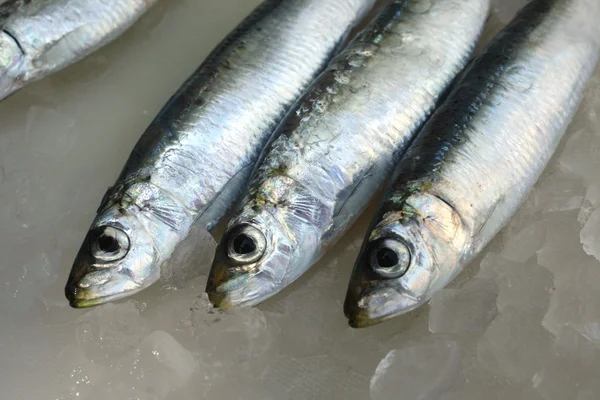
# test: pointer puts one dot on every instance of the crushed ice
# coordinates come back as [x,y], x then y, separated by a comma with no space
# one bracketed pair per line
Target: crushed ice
[523,322]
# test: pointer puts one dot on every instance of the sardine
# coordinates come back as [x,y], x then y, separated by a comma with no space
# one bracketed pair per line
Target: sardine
[193,160]
[38,38]
[341,142]
[476,159]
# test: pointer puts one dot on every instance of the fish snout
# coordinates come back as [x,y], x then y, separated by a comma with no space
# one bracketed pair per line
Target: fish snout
[90,287]
[238,276]
[238,287]
[376,306]
[101,271]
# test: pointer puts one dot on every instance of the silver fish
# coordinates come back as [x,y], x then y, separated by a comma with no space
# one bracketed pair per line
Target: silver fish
[476,159]
[332,154]
[191,163]
[38,38]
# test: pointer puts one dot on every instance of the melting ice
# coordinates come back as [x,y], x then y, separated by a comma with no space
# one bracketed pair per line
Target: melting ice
[523,322]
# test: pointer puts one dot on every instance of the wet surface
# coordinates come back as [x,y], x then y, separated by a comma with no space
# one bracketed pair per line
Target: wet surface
[529,321]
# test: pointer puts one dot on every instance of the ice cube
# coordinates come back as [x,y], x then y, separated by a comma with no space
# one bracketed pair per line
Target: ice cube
[480,383]
[151,371]
[524,286]
[516,344]
[120,390]
[557,191]
[230,341]
[170,309]
[421,371]
[574,303]
[565,378]
[512,391]
[590,235]
[77,375]
[522,245]
[36,204]
[367,349]
[164,364]
[463,310]
[300,348]
[571,371]
[590,203]
[326,274]
[316,377]
[309,319]
[106,332]
[25,282]
[245,388]
[570,343]
[191,258]
[580,155]
[489,265]
[40,121]
[197,387]
[562,248]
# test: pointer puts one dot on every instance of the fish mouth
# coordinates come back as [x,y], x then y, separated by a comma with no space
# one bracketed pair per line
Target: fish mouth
[87,302]
[357,316]
[230,287]
[217,277]
[241,291]
[374,308]
[218,300]
[360,319]
[115,288]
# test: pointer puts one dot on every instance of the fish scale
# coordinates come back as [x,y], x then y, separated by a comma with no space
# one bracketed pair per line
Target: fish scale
[333,152]
[193,160]
[476,159]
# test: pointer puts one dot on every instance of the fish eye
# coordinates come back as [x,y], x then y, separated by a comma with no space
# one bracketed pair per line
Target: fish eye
[390,258]
[246,244]
[108,243]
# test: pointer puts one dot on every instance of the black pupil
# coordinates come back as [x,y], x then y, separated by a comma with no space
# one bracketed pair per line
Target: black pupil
[108,244]
[386,258]
[243,244]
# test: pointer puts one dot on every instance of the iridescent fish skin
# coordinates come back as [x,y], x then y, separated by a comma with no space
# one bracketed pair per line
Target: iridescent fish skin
[333,153]
[193,160]
[476,159]
[40,37]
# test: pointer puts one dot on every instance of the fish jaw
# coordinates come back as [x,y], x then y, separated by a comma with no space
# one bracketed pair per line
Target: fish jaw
[120,285]
[378,306]
[231,287]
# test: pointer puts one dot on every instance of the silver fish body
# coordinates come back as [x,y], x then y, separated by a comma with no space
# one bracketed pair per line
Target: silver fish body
[332,154]
[193,160]
[475,160]
[40,37]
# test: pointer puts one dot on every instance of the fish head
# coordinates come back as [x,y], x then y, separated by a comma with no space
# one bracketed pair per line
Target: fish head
[415,250]
[117,258]
[266,247]
[11,64]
